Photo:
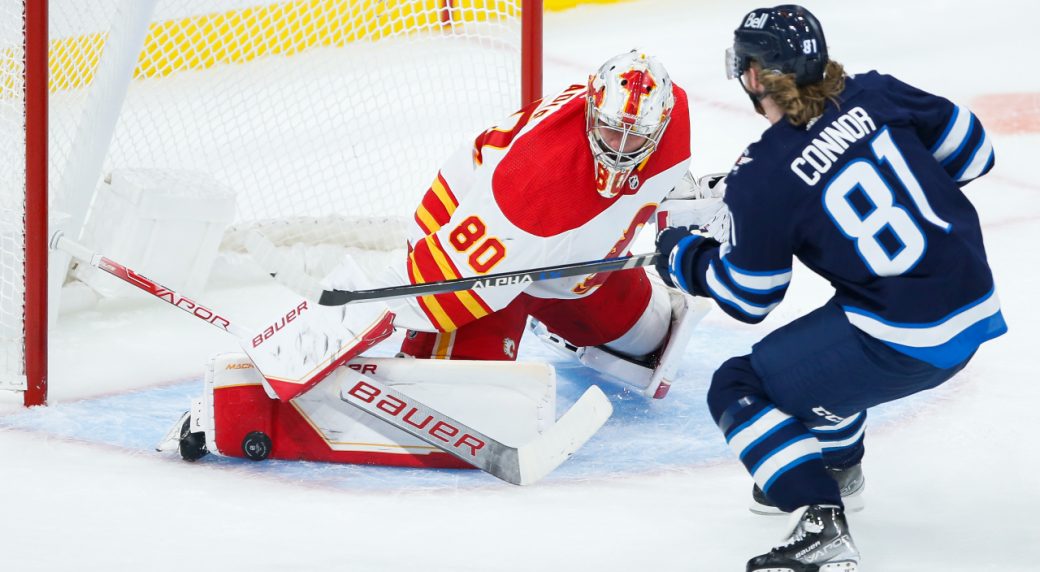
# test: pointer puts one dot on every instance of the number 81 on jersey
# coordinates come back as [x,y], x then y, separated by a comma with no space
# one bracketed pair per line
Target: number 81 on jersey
[866,229]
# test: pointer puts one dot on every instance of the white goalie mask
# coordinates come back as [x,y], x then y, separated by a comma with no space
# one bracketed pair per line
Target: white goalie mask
[629,104]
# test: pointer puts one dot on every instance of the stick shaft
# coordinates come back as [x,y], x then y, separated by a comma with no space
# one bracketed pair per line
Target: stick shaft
[340,297]
[141,282]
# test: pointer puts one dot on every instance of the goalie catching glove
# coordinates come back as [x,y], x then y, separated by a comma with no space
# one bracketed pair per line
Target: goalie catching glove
[697,202]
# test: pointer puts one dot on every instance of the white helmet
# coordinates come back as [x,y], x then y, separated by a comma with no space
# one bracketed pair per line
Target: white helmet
[629,104]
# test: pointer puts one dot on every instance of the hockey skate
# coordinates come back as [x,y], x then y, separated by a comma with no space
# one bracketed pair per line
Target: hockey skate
[819,542]
[192,446]
[850,482]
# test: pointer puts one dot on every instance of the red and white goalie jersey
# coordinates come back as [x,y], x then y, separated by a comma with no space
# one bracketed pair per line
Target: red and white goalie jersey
[525,194]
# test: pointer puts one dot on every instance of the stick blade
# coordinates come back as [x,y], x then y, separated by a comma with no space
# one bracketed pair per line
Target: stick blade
[541,456]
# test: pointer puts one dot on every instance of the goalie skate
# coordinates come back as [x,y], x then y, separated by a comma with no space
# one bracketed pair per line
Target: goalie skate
[191,445]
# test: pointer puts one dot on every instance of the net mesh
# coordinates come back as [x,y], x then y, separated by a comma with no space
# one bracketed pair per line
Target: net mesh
[315,112]
[12,199]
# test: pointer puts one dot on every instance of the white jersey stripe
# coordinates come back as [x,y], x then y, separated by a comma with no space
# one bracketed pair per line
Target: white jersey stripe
[924,336]
[834,445]
[978,162]
[747,436]
[720,291]
[956,135]
[772,466]
[758,283]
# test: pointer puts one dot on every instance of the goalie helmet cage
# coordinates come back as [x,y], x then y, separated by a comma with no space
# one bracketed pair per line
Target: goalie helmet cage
[306,108]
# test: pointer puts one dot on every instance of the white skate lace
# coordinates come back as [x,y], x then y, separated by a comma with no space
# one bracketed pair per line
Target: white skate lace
[801,530]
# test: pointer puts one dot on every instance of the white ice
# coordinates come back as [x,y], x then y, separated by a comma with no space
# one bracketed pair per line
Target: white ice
[952,475]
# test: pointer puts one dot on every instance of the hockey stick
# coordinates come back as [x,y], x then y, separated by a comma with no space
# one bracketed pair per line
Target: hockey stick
[521,465]
[292,354]
[274,262]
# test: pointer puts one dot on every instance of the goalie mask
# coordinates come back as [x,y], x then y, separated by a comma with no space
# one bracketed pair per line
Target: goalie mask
[629,104]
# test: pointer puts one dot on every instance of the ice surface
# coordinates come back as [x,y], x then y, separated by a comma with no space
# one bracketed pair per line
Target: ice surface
[952,474]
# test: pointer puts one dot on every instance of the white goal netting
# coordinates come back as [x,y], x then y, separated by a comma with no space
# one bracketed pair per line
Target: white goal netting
[313,111]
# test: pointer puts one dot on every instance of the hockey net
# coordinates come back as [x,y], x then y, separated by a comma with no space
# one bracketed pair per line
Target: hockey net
[328,118]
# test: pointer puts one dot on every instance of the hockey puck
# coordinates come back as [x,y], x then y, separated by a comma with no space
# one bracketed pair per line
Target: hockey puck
[256,446]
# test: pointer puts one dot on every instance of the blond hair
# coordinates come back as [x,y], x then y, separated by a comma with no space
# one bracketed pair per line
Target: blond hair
[802,103]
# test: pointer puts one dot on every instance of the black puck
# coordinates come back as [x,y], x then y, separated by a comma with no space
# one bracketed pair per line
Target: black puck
[256,446]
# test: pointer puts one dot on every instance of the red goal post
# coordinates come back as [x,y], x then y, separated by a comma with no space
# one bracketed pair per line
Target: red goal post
[307,108]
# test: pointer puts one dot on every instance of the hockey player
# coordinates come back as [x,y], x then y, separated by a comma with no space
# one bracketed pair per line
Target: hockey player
[570,178]
[860,178]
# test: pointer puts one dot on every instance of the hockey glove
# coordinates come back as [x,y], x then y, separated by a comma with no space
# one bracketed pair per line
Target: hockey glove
[697,202]
[672,244]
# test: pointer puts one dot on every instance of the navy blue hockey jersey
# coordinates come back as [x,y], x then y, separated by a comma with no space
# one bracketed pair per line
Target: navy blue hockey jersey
[868,196]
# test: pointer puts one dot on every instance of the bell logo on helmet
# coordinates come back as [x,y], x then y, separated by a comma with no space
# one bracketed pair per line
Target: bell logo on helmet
[787,39]
[755,21]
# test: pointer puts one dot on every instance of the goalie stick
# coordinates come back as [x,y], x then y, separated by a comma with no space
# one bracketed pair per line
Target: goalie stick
[522,465]
[265,252]
[292,354]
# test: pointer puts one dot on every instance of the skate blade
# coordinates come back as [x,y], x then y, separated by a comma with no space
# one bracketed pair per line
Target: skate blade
[847,566]
[829,567]
[765,510]
[853,503]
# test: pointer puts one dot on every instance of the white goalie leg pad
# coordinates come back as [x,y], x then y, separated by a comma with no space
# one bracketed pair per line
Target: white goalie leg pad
[627,370]
[509,401]
[223,370]
[652,374]
[651,329]
[687,312]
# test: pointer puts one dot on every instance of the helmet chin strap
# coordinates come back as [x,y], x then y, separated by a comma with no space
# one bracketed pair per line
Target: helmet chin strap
[756,98]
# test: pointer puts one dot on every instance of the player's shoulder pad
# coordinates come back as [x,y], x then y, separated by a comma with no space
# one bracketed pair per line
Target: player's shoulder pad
[756,160]
[881,83]
[756,177]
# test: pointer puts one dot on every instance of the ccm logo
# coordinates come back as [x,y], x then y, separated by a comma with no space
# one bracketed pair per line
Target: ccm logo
[275,327]
[436,428]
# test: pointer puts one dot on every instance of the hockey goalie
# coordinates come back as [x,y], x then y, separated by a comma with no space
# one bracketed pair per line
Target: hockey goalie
[569,178]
